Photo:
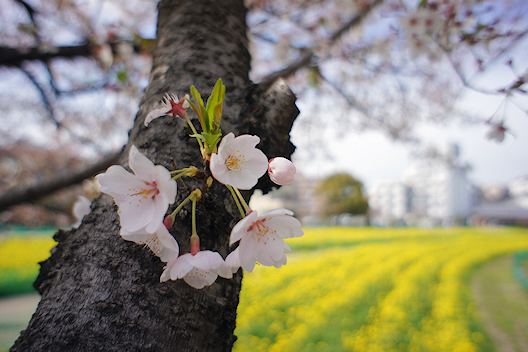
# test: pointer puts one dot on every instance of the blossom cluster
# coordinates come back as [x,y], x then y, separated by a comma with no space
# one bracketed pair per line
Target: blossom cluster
[144,195]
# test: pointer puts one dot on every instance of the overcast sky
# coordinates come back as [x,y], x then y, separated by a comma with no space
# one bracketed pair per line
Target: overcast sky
[373,157]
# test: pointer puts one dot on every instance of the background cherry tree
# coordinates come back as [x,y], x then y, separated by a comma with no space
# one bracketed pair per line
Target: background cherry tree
[73,71]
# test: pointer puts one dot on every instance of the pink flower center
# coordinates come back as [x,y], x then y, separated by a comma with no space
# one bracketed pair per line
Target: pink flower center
[177,108]
[151,191]
[259,227]
[233,162]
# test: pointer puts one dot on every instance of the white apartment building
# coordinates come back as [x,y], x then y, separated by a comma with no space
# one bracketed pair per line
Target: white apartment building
[434,192]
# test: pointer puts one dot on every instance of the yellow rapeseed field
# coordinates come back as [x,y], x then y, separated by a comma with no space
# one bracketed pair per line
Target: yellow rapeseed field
[345,289]
[372,290]
[19,258]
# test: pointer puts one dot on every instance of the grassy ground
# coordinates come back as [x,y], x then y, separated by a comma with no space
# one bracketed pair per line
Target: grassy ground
[502,305]
[15,312]
[352,290]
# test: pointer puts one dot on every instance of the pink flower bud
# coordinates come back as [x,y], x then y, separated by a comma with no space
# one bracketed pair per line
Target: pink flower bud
[168,222]
[281,171]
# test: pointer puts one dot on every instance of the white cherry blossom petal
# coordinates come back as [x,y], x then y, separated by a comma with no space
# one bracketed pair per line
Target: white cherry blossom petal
[159,112]
[180,267]
[241,227]
[141,165]
[233,260]
[118,181]
[238,163]
[143,197]
[247,254]
[261,238]
[81,208]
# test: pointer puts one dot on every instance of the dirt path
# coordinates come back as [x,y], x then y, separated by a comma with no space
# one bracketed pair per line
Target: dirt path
[502,305]
[15,312]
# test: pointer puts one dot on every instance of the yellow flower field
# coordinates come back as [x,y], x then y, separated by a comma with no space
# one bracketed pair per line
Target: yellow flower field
[372,290]
[345,289]
[19,258]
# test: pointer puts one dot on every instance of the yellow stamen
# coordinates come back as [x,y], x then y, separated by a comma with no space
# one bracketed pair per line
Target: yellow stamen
[233,162]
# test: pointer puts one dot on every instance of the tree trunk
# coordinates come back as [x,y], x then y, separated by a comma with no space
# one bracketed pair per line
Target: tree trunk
[101,293]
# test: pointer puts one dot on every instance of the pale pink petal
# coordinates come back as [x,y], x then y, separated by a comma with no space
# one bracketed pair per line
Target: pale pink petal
[233,260]
[117,181]
[140,236]
[141,165]
[180,267]
[241,179]
[199,279]
[135,212]
[285,226]
[247,253]
[218,168]
[269,250]
[165,275]
[280,262]
[207,260]
[169,246]
[155,113]
[81,207]
[256,161]
[226,144]
[160,207]
[241,227]
[247,141]
[166,184]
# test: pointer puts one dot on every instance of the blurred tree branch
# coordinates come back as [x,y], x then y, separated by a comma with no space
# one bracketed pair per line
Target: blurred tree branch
[308,56]
[64,180]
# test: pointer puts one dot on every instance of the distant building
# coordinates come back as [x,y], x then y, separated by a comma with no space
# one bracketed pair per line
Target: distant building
[390,203]
[435,191]
[518,187]
[508,212]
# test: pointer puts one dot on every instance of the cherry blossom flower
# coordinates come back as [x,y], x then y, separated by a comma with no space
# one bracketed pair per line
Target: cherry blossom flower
[198,270]
[161,243]
[233,260]
[143,197]
[238,163]
[170,105]
[497,132]
[281,171]
[81,207]
[261,237]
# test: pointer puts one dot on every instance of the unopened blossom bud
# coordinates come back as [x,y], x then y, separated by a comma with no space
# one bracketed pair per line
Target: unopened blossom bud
[168,222]
[281,171]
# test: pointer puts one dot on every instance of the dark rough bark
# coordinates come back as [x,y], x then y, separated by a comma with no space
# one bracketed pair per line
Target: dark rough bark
[101,293]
